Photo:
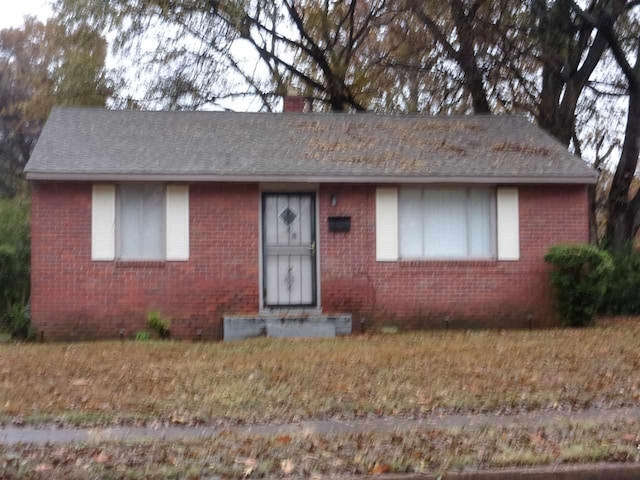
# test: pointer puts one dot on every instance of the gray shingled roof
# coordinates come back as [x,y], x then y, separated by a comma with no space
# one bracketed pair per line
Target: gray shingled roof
[96,143]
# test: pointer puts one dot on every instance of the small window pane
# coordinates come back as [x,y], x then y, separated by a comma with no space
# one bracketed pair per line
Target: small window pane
[141,222]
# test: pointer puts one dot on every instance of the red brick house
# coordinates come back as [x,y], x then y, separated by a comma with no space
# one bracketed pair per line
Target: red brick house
[260,221]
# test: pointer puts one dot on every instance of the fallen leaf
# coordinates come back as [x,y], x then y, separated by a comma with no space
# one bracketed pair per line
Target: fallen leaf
[286,439]
[178,419]
[43,467]
[80,382]
[102,457]
[536,438]
[287,466]
[249,465]
[379,469]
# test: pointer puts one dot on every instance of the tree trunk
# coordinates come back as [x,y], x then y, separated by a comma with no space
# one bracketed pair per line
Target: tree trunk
[337,103]
[622,212]
[552,85]
[593,210]
[473,79]
[414,94]
[568,63]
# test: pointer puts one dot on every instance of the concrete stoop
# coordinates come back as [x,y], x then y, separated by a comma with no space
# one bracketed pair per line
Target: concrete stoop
[286,325]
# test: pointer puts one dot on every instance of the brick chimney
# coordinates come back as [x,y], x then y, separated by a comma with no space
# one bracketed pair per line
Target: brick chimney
[294,102]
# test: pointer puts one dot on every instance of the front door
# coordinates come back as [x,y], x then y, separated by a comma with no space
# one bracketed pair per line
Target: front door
[289,249]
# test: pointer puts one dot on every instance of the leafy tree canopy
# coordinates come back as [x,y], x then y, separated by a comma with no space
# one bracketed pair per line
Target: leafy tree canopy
[42,65]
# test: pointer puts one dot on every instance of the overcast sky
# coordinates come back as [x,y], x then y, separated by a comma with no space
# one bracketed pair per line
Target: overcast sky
[13,11]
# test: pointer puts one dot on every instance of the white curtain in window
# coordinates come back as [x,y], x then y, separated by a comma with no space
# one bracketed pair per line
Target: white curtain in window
[141,230]
[445,222]
[410,222]
[480,223]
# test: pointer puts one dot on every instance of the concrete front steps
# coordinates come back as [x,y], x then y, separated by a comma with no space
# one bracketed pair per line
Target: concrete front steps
[286,324]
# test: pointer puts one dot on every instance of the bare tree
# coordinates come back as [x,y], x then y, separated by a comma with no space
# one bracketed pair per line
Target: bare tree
[310,44]
[624,42]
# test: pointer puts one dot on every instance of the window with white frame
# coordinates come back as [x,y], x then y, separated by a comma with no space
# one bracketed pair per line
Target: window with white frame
[446,223]
[140,221]
[135,221]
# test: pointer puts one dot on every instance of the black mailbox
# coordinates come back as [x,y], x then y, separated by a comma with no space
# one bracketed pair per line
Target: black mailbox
[339,224]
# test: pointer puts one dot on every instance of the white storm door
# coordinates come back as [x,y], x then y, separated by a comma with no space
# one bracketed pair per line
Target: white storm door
[289,249]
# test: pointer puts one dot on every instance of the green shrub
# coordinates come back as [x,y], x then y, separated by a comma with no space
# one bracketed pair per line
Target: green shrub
[159,324]
[623,289]
[8,271]
[8,266]
[14,257]
[19,323]
[579,279]
[143,336]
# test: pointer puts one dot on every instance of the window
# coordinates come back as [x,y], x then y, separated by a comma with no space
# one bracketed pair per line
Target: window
[140,222]
[447,223]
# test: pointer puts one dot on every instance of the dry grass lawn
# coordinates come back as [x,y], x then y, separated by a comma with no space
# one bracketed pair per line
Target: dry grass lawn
[315,456]
[280,380]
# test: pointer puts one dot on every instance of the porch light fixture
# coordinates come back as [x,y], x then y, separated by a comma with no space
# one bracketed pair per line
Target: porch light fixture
[334,199]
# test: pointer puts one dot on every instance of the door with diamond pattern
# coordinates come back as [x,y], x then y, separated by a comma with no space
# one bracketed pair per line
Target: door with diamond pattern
[289,249]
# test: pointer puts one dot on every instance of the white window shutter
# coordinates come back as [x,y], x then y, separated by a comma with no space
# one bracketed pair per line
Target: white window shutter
[386,224]
[177,222]
[103,222]
[508,224]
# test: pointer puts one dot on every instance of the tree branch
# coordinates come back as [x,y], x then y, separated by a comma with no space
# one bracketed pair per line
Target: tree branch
[604,24]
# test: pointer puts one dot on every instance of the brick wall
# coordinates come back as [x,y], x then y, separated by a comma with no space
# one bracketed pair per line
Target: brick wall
[73,297]
[441,293]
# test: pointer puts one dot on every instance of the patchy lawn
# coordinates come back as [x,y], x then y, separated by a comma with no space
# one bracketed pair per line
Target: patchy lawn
[280,380]
[316,456]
